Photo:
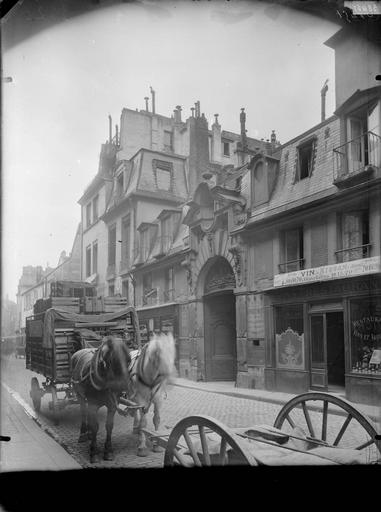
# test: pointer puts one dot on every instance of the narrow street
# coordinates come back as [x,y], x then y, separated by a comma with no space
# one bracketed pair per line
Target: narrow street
[180,402]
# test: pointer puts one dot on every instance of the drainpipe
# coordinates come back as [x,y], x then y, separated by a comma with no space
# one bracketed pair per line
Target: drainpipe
[323,93]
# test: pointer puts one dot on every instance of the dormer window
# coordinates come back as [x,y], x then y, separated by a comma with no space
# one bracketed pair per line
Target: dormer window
[163,172]
[168,141]
[305,159]
[260,185]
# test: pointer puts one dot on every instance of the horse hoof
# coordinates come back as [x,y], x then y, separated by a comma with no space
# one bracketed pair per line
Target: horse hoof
[83,438]
[108,456]
[94,459]
[142,452]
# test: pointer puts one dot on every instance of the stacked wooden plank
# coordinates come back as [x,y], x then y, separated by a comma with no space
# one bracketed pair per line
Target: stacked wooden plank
[65,303]
[112,304]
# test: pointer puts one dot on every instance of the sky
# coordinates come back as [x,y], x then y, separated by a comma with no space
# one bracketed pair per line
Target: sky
[67,79]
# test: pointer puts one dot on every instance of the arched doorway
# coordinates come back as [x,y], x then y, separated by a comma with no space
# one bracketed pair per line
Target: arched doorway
[220,322]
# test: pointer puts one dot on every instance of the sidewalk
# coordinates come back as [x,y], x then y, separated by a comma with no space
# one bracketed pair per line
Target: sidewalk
[261,395]
[30,448]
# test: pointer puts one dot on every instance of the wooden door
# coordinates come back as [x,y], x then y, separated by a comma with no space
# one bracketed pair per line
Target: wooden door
[220,337]
[318,352]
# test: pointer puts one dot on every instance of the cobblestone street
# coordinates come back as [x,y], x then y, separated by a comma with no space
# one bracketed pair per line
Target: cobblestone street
[180,402]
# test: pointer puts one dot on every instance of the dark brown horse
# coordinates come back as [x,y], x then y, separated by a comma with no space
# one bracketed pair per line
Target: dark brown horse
[99,376]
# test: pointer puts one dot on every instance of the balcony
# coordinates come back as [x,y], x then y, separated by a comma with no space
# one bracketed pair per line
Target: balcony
[291,266]
[353,253]
[356,160]
[169,295]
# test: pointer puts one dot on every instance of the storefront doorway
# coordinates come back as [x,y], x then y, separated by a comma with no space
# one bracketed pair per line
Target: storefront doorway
[327,350]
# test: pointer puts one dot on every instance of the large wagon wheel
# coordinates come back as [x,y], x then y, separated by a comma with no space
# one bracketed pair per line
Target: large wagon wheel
[35,394]
[330,420]
[204,441]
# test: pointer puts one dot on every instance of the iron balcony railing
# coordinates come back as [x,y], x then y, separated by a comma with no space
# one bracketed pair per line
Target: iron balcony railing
[169,295]
[353,253]
[356,156]
[291,266]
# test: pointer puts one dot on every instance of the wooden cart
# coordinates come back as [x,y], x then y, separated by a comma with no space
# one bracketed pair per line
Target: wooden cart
[54,335]
[311,429]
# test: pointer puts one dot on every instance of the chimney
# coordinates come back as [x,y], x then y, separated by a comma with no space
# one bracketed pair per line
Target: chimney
[242,119]
[198,162]
[197,108]
[153,100]
[323,93]
[216,140]
[110,129]
[273,141]
[116,135]
[146,100]
[192,109]
[177,114]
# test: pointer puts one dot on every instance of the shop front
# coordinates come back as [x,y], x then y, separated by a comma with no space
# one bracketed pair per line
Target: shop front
[158,319]
[326,336]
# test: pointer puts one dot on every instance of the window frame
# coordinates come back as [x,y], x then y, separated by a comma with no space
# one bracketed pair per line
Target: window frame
[311,141]
[226,144]
[94,260]
[163,165]
[109,260]
[300,260]
[88,261]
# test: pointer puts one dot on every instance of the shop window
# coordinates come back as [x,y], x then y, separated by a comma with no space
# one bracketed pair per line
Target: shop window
[354,227]
[88,260]
[292,250]
[289,337]
[305,159]
[365,317]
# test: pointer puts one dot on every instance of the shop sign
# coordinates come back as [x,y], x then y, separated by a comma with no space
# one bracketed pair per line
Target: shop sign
[324,273]
[367,328]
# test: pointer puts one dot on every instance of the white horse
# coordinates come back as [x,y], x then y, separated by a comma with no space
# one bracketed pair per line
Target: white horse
[151,369]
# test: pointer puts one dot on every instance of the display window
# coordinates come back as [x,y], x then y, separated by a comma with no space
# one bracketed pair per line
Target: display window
[289,337]
[365,324]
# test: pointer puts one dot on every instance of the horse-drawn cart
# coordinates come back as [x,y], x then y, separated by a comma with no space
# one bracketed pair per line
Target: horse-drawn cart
[311,429]
[54,335]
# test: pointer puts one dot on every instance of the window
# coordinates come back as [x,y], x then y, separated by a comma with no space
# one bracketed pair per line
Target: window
[226,148]
[145,243]
[168,284]
[126,226]
[147,283]
[125,289]
[163,173]
[111,289]
[260,188]
[112,245]
[163,178]
[95,209]
[88,261]
[289,336]
[95,257]
[120,184]
[88,215]
[305,159]
[354,238]
[292,250]
[168,140]
[166,233]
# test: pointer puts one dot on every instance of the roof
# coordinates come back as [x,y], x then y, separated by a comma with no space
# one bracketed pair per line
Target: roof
[359,94]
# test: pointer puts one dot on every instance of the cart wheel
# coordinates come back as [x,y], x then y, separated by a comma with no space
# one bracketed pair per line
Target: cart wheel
[333,421]
[54,406]
[35,394]
[204,441]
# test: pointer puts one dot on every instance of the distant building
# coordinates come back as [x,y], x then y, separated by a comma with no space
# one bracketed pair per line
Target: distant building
[35,282]
[9,323]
